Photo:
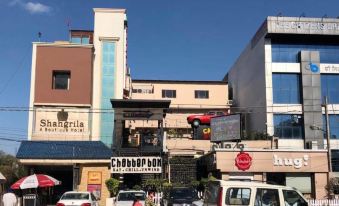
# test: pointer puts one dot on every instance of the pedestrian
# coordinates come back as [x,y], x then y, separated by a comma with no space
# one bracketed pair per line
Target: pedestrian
[150,199]
[9,198]
[136,202]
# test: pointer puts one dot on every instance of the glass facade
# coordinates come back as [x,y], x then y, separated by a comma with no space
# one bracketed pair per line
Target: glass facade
[334,125]
[330,87]
[289,52]
[288,126]
[107,91]
[286,88]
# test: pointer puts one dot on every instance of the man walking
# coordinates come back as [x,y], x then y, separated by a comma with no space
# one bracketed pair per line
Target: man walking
[9,198]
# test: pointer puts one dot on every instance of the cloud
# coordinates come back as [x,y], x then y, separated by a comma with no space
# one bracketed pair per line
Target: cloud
[31,7]
[35,8]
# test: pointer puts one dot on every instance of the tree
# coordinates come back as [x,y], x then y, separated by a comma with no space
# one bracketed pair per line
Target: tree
[11,168]
[112,185]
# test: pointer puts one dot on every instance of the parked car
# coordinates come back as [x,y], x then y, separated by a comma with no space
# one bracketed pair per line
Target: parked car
[197,119]
[180,196]
[224,193]
[126,197]
[78,199]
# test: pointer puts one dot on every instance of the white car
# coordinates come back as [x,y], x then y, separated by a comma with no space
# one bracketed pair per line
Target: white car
[78,199]
[126,197]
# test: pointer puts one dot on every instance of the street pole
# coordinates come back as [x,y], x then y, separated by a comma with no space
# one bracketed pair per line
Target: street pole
[328,138]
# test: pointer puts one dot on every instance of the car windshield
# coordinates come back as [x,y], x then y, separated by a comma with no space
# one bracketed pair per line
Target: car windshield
[75,196]
[182,193]
[130,196]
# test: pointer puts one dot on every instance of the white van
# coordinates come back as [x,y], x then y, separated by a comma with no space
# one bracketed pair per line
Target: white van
[222,193]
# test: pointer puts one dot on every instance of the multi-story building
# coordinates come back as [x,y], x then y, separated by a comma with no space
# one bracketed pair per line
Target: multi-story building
[279,83]
[183,143]
[70,126]
[187,98]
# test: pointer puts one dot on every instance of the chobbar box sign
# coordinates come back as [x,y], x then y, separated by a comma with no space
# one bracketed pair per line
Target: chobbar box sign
[136,164]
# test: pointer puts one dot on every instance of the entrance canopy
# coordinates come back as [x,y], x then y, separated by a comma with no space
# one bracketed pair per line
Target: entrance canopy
[139,109]
[63,152]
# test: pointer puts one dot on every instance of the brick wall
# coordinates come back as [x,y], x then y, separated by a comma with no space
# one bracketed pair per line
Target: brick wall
[105,174]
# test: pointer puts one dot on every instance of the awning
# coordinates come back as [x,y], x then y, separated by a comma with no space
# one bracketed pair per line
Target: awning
[65,150]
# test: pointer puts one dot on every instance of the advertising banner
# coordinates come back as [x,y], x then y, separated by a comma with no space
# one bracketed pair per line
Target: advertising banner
[145,164]
[94,177]
[95,189]
[225,128]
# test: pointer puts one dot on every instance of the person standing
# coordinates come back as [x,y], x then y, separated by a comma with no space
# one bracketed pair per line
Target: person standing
[150,199]
[9,198]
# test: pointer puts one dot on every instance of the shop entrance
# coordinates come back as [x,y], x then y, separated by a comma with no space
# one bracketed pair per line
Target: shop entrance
[61,173]
[131,180]
[278,178]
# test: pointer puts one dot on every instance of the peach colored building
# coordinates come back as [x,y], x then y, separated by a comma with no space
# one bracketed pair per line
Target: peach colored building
[187,98]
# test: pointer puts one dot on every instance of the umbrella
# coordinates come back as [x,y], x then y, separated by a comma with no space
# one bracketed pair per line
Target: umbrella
[35,181]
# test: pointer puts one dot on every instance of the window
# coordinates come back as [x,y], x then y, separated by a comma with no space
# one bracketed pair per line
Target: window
[334,126]
[290,52]
[80,39]
[286,88]
[292,198]
[238,196]
[335,160]
[267,197]
[169,93]
[61,79]
[201,94]
[330,87]
[288,126]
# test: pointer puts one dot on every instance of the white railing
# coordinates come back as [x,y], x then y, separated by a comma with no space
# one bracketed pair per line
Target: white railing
[325,202]
[157,197]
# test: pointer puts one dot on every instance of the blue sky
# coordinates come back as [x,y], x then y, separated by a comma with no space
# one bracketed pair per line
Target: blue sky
[167,39]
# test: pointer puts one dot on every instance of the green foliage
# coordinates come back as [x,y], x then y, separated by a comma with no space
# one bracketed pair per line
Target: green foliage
[136,187]
[194,183]
[331,186]
[112,185]
[204,181]
[166,185]
[154,184]
[11,168]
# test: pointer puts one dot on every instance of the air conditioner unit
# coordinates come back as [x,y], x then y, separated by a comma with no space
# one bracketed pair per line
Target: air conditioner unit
[230,102]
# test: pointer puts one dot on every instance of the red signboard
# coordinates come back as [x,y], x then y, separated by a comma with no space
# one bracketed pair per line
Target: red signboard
[243,161]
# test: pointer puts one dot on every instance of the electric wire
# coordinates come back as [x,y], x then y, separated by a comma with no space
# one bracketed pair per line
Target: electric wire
[6,83]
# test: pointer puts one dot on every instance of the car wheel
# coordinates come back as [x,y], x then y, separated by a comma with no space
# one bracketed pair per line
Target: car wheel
[196,123]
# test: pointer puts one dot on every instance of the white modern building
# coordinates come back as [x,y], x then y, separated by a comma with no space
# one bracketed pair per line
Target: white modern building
[279,83]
